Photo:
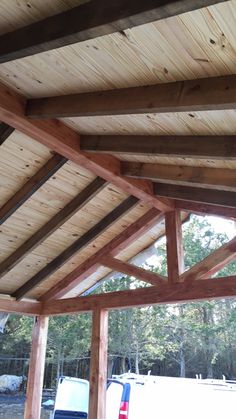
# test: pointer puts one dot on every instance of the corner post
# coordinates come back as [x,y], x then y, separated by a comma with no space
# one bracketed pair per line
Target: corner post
[36,368]
[98,365]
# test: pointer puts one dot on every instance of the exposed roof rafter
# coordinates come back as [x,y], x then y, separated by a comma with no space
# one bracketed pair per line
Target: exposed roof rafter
[60,218]
[88,21]
[214,93]
[192,146]
[31,186]
[77,246]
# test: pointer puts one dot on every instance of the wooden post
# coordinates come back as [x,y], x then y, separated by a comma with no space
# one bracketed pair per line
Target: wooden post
[36,368]
[98,365]
[174,243]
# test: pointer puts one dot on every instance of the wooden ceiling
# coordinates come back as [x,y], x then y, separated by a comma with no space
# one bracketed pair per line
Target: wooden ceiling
[112,124]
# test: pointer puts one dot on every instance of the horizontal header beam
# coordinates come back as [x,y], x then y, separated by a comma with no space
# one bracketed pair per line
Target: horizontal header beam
[201,147]
[88,21]
[29,308]
[166,294]
[214,93]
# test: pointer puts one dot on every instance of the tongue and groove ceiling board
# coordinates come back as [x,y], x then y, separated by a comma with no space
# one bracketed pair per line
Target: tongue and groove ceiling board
[193,45]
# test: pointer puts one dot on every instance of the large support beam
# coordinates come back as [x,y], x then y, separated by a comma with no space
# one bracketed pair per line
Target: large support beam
[98,365]
[166,294]
[77,246]
[31,186]
[174,245]
[201,147]
[215,93]
[60,218]
[27,307]
[36,369]
[63,140]
[132,270]
[205,177]
[5,132]
[205,209]
[213,263]
[119,243]
[189,193]
[88,21]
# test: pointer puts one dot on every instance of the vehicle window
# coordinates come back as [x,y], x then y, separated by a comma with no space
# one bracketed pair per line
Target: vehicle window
[72,395]
[113,401]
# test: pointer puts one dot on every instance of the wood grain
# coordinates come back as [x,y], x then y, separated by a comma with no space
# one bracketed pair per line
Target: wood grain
[89,21]
[201,147]
[114,247]
[36,369]
[5,132]
[132,270]
[77,246]
[174,246]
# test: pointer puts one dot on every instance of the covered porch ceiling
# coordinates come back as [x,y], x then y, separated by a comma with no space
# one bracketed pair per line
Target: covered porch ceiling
[114,128]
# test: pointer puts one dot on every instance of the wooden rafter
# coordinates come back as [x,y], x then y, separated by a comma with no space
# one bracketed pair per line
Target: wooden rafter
[31,186]
[215,93]
[5,132]
[114,247]
[166,294]
[201,147]
[88,21]
[188,193]
[213,263]
[77,246]
[174,245]
[205,177]
[63,140]
[128,269]
[205,209]
[60,218]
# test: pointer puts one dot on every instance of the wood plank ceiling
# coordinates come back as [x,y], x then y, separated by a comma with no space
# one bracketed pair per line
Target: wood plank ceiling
[146,125]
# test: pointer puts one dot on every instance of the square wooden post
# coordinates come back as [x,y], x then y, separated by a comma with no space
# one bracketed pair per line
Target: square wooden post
[98,365]
[36,368]
[174,243]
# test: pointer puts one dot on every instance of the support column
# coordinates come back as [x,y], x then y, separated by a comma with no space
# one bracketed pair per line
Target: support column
[98,365]
[174,243]
[36,368]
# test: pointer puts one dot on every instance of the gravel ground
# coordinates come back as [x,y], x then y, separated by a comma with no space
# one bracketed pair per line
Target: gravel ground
[12,407]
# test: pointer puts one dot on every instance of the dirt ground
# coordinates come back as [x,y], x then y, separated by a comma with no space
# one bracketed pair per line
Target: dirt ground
[12,407]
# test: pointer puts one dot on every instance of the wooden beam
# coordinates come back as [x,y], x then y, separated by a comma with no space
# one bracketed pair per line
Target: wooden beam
[5,132]
[89,21]
[132,270]
[28,308]
[60,218]
[213,263]
[174,246]
[77,246]
[205,209]
[194,194]
[63,140]
[205,177]
[98,365]
[114,247]
[215,93]
[201,147]
[165,294]
[36,369]
[31,186]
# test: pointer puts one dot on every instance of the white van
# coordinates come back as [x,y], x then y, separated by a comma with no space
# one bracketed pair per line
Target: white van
[131,396]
